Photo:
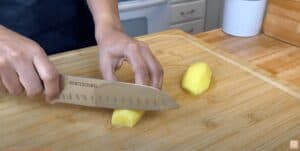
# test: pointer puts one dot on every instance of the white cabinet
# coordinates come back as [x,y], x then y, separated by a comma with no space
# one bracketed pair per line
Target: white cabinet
[195,26]
[188,15]
[187,11]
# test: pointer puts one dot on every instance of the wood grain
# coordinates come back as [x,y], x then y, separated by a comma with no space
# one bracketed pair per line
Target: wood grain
[283,20]
[275,58]
[240,111]
[270,56]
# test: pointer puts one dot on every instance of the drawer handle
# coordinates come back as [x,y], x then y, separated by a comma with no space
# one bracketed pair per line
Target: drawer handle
[187,12]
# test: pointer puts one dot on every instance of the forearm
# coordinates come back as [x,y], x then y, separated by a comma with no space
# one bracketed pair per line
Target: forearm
[3,29]
[106,16]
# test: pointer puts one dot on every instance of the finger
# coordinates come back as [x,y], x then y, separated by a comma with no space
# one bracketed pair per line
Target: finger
[3,90]
[107,68]
[120,63]
[161,81]
[155,69]
[10,79]
[27,75]
[48,74]
[138,64]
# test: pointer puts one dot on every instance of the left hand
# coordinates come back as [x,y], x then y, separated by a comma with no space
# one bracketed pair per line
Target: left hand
[116,47]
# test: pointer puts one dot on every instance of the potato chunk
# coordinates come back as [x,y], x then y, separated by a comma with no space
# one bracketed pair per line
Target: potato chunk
[126,118]
[197,78]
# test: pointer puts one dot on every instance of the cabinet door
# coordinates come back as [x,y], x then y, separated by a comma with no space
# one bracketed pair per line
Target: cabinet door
[188,11]
[214,14]
[192,27]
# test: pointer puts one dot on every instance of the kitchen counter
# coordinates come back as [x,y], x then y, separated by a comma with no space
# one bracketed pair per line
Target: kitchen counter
[278,59]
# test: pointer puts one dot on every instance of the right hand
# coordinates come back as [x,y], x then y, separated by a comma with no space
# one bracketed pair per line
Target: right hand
[24,66]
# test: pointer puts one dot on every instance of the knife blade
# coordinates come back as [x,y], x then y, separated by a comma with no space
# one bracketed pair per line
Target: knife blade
[115,95]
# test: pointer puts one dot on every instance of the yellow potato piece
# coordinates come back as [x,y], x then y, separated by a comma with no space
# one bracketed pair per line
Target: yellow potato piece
[197,78]
[126,118]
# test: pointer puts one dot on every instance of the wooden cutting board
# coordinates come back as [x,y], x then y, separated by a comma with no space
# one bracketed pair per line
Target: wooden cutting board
[283,20]
[242,110]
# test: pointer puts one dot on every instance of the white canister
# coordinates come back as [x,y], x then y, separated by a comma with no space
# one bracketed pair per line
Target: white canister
[243,18]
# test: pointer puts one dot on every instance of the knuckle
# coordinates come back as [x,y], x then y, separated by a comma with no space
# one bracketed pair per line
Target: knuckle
[5,47]
[16,55]
[51,75]
[132,48]
[3,63]
[145,47]
[36,48]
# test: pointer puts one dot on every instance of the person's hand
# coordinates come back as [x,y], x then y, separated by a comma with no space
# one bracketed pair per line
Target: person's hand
[24,66]
[116,47]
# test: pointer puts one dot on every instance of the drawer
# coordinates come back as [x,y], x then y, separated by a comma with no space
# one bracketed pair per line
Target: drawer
[192,27]
[187,11]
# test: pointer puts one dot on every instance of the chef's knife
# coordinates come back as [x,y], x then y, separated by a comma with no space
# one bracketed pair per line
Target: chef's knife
[115,95]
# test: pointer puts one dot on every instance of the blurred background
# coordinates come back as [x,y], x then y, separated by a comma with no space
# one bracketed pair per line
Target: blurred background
[141,17]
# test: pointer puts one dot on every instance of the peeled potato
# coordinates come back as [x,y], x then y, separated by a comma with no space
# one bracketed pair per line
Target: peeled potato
[197,78]
[126,118]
